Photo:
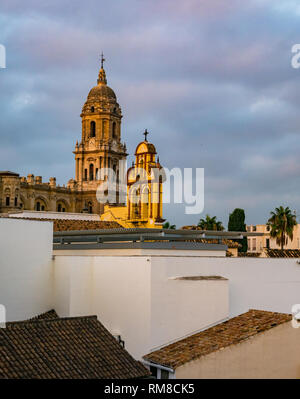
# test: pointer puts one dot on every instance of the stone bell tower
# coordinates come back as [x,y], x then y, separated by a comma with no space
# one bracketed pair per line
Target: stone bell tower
[100,145]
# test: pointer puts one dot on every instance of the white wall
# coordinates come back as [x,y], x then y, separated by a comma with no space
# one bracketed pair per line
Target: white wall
[274,353]
[132,298]
[55,215]
[183,307]
[259,283]
[116,289]
[26,279]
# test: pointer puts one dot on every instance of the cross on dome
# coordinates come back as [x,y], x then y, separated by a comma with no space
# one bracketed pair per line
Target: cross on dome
[146,134]
[102,59]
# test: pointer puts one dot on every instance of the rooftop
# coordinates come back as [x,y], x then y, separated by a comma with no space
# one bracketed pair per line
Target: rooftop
[282,253]
[8,173]
[67,225]
[233,331]
[50,347]
[150,238]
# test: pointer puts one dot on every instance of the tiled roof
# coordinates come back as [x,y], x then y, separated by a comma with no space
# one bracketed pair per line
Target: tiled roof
[229,243]
[249,254]
[77,347]
[65,225]
[75,224]
[8,173]
[218,337]
[282,253]
[51,314]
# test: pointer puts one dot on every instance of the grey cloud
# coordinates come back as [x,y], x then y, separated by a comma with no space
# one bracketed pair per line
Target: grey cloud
[212,81]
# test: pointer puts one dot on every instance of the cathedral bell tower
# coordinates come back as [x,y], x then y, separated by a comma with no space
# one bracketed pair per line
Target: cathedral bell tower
[100,145]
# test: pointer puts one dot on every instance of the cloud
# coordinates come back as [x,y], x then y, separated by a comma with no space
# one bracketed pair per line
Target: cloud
[212,82]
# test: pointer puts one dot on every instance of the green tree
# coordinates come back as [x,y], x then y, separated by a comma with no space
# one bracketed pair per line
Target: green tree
[167,225]
[210,223]
[282,223]
[236,222]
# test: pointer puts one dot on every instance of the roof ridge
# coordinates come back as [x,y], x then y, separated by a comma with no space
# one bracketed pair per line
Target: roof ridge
[45,321]
[248,325]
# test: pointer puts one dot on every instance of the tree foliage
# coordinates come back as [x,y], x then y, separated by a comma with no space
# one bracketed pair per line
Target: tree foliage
[236,222]
[167,225]
[282,223]
[210,223]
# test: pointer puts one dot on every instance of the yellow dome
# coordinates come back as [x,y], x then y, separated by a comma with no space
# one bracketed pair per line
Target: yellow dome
[145,148]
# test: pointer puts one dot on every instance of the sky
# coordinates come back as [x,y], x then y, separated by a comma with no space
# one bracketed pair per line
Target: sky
[212,82]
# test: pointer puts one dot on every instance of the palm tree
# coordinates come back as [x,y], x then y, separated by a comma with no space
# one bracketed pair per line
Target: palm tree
[282,223]
[167,225]
[210,223]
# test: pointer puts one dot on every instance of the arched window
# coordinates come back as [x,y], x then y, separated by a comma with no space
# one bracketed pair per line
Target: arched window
[114,130]
[40,205]
[145,203]
[92,109]
[91,171]
[93,129]
[61,207]
[85,174]
[7,201]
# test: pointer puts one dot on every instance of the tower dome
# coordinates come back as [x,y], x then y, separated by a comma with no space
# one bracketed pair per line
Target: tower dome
[101,97]
[144,147]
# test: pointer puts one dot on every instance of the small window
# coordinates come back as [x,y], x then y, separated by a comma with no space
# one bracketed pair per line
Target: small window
[16,201]
[85,174]
[59,208]
[268,243]
[64,209]
[43,208]
[91,171]
[164,374]
[153,371]
[7,201]
[38,206]
[93,129]
[92,109]
[114,130]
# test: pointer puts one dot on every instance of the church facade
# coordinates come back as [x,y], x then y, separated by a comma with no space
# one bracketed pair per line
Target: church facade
[99,149]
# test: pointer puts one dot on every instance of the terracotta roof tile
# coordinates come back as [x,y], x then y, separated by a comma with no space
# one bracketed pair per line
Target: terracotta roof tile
[78,347]
[215,338]
[75,224]
[282,253]
[66,225]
